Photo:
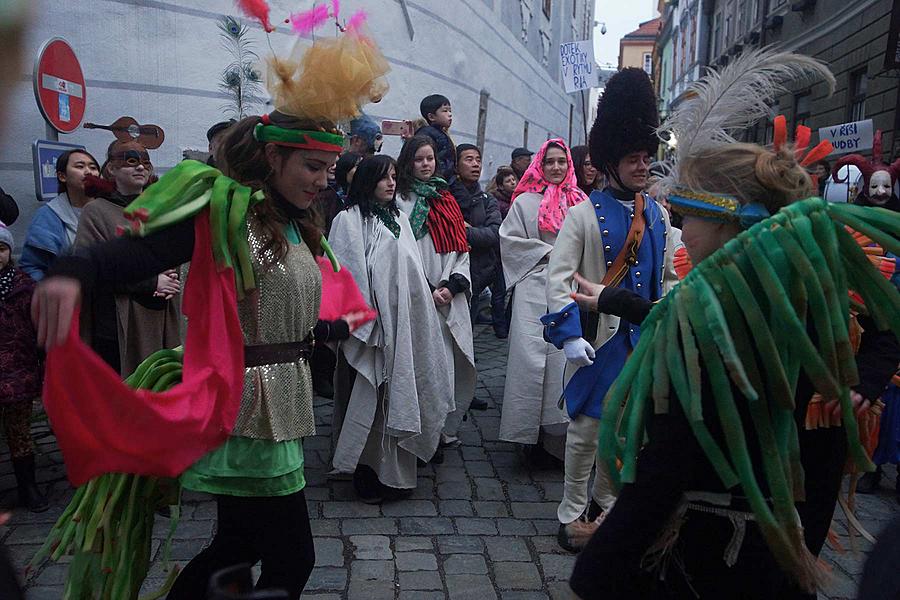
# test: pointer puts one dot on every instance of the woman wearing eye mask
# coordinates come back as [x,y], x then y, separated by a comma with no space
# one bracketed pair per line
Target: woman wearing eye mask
[125,324]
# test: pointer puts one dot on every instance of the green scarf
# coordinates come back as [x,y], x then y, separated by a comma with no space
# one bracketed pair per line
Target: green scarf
[425,191]
[387,218]
[183,192]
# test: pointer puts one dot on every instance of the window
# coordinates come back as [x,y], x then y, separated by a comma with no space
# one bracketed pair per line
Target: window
[482,119]
[648,63]
[801,108]
[574,9]
[548,7]
[693,39]
[726,37]
[716,41]
[856,111]
[525,135]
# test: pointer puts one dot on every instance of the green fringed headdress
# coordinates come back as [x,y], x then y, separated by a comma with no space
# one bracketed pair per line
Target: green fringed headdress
[741,316]
[186,190]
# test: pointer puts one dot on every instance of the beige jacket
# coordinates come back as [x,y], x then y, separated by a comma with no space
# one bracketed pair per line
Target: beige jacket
[579,248]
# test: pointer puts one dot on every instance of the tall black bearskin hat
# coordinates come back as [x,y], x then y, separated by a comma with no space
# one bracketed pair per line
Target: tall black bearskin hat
[627,118]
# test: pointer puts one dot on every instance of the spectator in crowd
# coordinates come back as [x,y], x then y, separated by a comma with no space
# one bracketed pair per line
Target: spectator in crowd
[12,44]
[822,170]
[52,230]
[365,136]
[400,387]
[344,171]
[504,185]
[482,228]
[589,178]
[215,135]
[20,372]
[531,413]
[437,112]
[520,160]
[127,324]
[9,210]
[440,229]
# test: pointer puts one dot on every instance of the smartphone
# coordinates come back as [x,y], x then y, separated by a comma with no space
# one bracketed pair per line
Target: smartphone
[401,128]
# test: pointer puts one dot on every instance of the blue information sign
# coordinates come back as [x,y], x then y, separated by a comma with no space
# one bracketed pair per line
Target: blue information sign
[44,154]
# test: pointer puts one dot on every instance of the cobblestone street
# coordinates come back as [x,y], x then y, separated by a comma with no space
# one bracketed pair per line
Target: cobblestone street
[478,527]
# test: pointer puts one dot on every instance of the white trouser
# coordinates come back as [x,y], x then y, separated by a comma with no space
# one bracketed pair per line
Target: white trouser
[581,456]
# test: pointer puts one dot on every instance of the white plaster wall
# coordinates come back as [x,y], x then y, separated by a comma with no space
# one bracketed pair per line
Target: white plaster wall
[160,61]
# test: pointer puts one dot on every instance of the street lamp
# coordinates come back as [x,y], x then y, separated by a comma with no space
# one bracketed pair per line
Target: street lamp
[602,28]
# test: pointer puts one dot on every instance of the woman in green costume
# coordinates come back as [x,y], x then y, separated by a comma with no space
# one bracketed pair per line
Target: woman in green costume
[725,494]
[257,475]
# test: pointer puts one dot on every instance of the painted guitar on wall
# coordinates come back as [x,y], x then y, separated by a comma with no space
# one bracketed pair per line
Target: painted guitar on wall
[126,129]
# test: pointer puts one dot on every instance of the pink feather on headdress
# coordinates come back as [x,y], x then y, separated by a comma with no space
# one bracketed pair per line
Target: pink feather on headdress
[259,10]
[336,9]
[357,20]
[306,22]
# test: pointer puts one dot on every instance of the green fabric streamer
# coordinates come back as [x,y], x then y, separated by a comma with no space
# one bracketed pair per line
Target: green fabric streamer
[186,190]
[107,527]
[740,319]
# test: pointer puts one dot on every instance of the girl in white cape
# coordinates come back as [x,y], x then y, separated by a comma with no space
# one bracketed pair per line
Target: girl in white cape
[438,224]
[403,387]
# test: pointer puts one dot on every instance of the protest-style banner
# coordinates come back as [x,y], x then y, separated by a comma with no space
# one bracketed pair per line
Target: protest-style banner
[576,61]
[849,137]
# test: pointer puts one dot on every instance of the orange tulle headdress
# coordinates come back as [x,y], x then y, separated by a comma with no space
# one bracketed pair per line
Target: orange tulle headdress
[332,79]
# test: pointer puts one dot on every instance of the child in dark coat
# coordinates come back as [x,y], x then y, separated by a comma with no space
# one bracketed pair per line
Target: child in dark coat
[436,110]
[20,371]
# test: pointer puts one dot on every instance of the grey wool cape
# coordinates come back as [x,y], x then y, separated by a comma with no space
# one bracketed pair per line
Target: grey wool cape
[403,388]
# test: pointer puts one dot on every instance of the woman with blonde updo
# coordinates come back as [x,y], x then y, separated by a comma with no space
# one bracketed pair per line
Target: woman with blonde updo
[694,517]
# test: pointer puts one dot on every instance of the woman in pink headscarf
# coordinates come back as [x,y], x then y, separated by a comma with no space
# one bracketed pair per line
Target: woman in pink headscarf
[534,382]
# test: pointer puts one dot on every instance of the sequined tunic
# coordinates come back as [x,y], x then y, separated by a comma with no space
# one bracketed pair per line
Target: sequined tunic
[277,400]
[264,455]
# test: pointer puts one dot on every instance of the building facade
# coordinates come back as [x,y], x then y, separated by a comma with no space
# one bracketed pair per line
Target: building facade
[162,62]
[636,48]
[851,37]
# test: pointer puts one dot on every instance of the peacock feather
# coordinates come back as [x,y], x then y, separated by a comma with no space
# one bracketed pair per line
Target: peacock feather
[241,81]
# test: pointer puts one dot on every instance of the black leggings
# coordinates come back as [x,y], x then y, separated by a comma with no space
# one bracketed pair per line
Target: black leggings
[274,530]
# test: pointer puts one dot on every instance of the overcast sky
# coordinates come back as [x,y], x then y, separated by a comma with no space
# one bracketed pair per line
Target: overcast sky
[621,17]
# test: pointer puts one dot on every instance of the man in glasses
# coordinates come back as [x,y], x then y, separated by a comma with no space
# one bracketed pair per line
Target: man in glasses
[124,326]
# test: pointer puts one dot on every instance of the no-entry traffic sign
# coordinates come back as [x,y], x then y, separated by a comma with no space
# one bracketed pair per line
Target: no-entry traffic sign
[59,85]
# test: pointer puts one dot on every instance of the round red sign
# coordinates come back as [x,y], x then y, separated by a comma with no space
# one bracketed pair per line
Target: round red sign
[59,85]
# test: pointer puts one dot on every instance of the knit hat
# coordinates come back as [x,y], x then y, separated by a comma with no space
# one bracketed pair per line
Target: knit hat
[6,236]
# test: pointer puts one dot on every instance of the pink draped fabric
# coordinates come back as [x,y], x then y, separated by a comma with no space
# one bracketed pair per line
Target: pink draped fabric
[104,426]
[558,199]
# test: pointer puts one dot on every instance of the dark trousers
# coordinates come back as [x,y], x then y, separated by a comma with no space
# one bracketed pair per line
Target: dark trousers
[271,530]
[501,312]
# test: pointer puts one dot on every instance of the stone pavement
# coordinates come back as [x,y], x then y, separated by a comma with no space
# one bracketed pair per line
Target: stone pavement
[481,526]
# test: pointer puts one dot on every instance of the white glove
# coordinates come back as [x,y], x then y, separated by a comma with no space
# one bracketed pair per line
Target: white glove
[579,352]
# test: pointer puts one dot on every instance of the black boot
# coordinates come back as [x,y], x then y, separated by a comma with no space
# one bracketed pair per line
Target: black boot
[29,494]
[868,483]
[593,511]
[478,404]
[897,485]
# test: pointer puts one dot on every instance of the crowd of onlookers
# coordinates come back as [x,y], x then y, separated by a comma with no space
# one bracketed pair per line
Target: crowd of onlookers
[125,325]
